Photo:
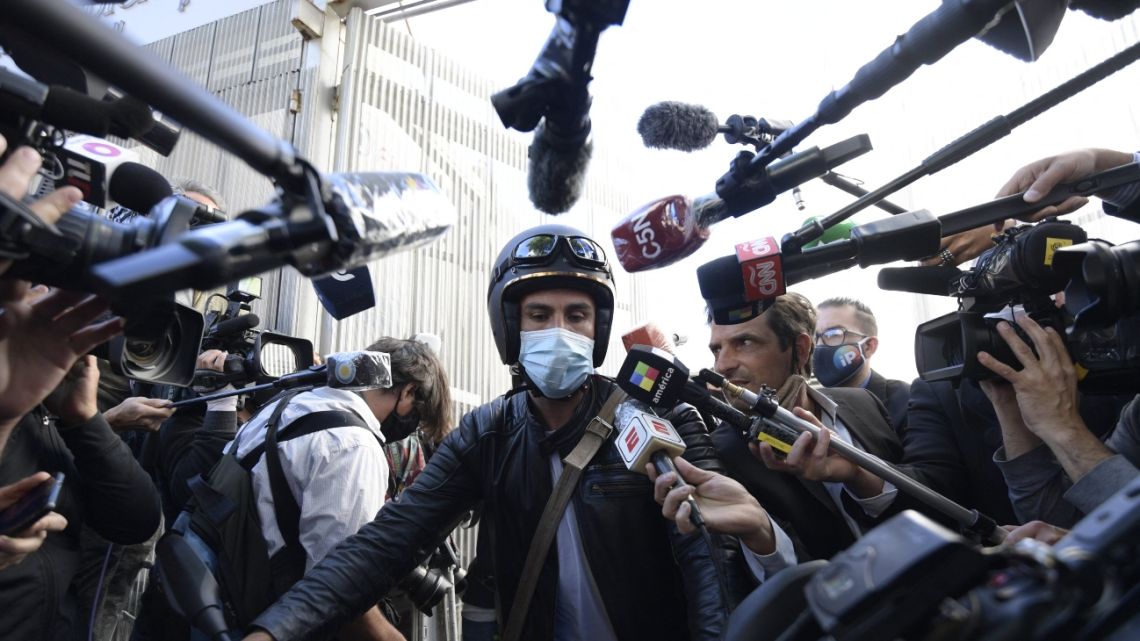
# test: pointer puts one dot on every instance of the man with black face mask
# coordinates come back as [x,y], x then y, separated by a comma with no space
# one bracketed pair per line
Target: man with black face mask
[612,567]
[846,337]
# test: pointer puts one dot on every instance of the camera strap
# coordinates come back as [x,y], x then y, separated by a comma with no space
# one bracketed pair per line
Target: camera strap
[598,430]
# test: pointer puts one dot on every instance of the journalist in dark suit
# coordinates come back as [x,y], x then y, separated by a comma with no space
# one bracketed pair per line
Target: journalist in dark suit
[822,502]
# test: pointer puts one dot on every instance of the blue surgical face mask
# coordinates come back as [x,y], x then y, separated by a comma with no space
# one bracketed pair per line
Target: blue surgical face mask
[556,360]
[836,365]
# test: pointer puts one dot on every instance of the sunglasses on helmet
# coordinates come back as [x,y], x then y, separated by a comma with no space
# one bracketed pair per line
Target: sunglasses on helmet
[542,248]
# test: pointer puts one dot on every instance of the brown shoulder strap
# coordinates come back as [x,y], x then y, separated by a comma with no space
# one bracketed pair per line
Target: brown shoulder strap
[599,429]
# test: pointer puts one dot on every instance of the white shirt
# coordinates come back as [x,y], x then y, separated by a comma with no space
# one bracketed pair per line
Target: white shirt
[338,476]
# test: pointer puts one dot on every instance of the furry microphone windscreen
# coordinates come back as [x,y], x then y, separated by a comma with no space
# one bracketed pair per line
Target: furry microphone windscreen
[676,125]
[557,172]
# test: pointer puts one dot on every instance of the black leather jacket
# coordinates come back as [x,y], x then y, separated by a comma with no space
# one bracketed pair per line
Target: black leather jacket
[654,582]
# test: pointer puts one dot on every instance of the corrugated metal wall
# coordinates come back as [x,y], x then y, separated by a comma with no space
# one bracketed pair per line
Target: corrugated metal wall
[402,106]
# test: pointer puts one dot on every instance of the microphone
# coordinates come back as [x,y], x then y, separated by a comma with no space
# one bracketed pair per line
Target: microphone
[345,293]
[648,334]
[56,105]
[676,125]
[559,157]
[89,163]
[666,230]
[934,280]
[369,216]
[137,187]
[350,371]
[554,92]
[644,437]
[739,287]
[235,325]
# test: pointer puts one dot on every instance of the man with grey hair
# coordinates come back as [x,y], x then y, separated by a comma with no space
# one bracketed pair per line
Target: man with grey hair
[200,192]
[846,337]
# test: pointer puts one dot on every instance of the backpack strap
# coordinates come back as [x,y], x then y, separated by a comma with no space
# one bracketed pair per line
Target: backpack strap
[285,507]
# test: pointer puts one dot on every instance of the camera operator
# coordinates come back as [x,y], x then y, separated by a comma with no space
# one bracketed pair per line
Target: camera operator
[1056,468]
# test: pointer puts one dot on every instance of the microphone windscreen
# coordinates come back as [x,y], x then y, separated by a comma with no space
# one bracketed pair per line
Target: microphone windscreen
[75,111]
[660,233]
[138,187]
[130,117]
[556,172]
[934,280]
[356,371]
[676,125]
[722,287]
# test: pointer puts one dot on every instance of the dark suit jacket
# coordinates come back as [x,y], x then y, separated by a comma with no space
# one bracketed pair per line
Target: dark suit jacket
[804,508]
[951,438]
[894,395]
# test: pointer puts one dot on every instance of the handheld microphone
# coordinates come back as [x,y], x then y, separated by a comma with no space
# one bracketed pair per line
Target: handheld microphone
[644,437]
[89,164]
[370,215]
[72,110]
[351,371]
[666,230]
[137,187]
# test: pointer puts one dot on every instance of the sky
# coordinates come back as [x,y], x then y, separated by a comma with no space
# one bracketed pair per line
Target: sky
[778,60]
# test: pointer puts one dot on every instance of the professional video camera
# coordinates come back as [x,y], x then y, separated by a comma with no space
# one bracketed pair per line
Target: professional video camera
[912,579]
[1029,264]
[254,356]
[428,583]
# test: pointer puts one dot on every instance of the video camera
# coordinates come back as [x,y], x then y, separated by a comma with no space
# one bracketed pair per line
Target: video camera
[254,356]
[1028,265]
[912,579]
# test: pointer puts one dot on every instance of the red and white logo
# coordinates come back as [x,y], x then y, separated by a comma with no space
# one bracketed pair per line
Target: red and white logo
[104,149]
[631,439]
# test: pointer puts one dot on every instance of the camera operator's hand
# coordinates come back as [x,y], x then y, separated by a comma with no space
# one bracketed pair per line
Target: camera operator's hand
[14,548]
[1016,435]
[214,359]
[139,413]
[1037,178]
[811,460]
[1038,530]
[42,339]
[16,175]
[1046,389]
[965,246]
[74,400]
[1046,386]
[726,506]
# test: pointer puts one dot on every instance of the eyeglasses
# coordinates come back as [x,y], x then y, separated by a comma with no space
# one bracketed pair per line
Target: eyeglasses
[836,336]
[542,248]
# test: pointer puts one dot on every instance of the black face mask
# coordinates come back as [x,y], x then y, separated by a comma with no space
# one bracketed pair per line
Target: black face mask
[397,428]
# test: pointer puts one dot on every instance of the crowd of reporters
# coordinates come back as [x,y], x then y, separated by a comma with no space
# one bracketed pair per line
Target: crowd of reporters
[1023,447]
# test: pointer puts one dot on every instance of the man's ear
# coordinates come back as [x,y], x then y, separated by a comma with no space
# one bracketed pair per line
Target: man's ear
[804,346]
[870,346]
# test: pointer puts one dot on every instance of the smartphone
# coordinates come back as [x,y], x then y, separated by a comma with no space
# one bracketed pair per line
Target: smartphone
[32,507]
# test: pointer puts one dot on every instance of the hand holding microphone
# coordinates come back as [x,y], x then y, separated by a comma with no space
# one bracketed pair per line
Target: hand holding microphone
[726,507]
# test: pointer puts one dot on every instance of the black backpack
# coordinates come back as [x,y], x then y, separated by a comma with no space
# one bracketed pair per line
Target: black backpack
[221,528]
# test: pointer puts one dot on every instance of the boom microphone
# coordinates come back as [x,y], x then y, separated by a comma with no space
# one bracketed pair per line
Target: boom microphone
[676,125]
[558,161]
[933,280]
[371,215]
[234,325]
[351,371]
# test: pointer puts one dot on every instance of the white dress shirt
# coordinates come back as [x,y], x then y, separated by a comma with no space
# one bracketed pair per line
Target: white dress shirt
[338,476]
